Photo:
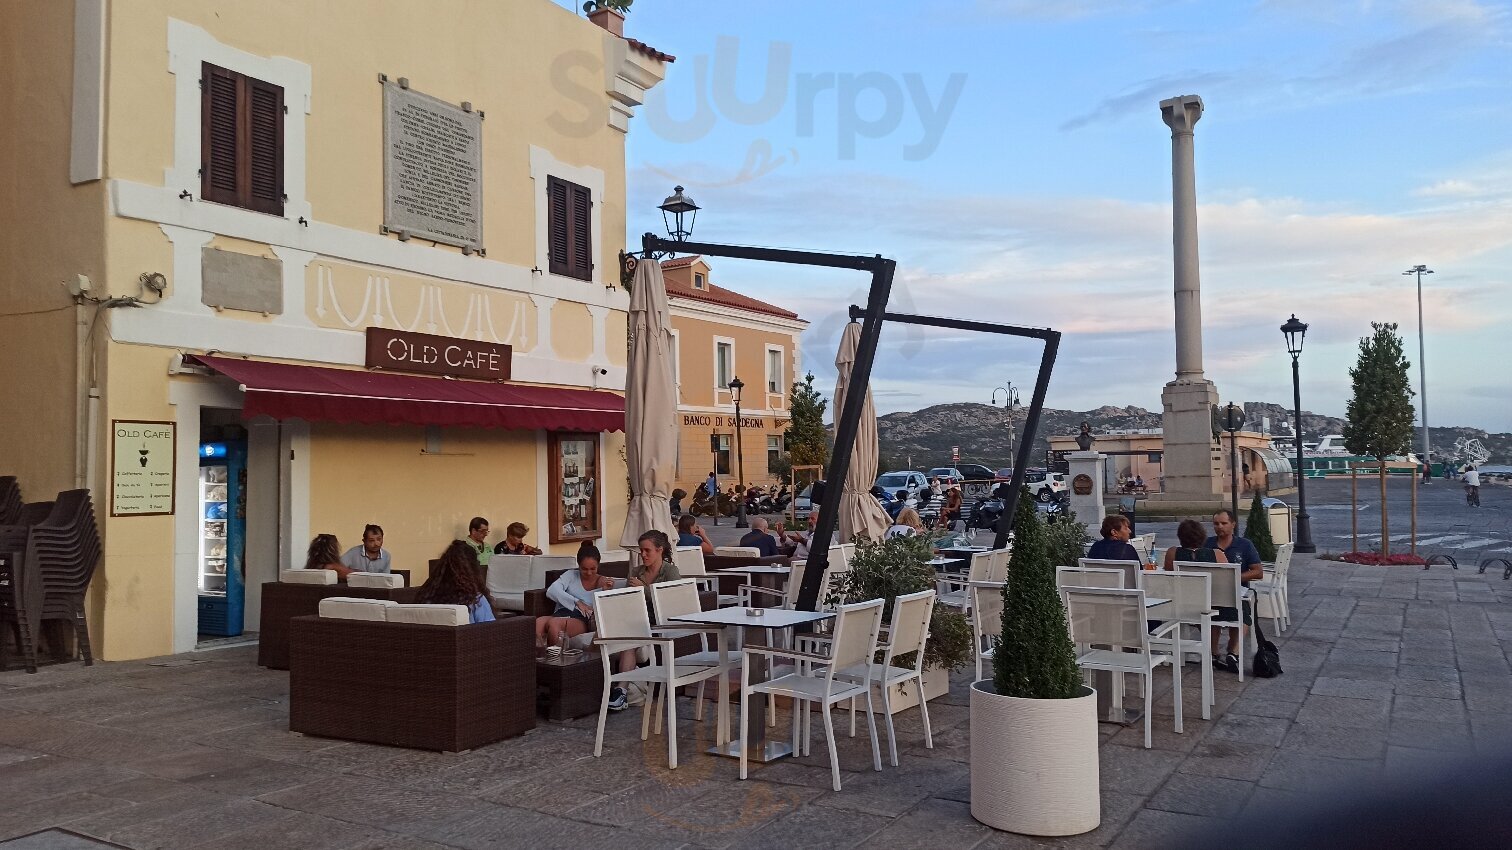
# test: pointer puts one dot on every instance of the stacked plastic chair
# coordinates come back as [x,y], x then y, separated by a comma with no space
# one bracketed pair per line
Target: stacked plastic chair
[20,586]
[64,550]
[10,500]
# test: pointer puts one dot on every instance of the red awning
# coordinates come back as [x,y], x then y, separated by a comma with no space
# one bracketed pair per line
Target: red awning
[318,393]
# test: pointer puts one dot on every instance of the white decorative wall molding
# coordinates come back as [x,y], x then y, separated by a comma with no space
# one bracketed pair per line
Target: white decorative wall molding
[600,335]
[294,263]
[187,295]
[628,75]
[542,166]
[543,305]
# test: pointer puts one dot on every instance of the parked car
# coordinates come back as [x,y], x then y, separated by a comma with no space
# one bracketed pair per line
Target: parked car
[975,472]
[803,503]
[947,474]
[1043,486]
[892,482]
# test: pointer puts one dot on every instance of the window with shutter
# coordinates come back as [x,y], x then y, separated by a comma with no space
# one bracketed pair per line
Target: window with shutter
[241,141]
[569,226]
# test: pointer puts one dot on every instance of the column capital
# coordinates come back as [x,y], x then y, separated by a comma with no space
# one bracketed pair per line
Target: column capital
[1181,113]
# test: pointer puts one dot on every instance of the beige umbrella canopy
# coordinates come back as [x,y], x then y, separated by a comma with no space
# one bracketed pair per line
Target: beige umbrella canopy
[650,408]
[860,512]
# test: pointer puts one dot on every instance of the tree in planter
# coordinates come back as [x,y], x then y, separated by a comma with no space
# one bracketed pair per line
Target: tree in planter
[1257,530]
[805,438]
[1035,659]
[887,569]
[1380,413]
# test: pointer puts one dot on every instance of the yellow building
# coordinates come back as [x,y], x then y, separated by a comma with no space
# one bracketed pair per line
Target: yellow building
[324,198]
[722,335]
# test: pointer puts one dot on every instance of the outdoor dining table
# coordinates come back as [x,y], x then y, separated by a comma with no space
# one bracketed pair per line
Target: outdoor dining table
[1110,710]
[754,715]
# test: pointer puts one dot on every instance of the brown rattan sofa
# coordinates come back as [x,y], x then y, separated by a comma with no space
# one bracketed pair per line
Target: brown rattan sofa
[283,602]
[431,687]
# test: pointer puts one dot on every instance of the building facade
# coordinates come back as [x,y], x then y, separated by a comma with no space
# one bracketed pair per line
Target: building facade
[373,254]
[722,335]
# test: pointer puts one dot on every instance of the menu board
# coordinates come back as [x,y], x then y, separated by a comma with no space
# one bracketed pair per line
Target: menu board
[142,467]
[574,487]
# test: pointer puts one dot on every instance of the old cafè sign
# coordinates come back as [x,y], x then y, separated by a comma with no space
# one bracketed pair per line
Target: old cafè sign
[428,354]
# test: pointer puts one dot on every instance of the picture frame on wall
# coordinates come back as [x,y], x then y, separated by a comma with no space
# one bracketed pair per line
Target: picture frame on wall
[573,469]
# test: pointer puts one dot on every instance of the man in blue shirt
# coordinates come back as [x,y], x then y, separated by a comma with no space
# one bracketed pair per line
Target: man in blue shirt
[1114,545]
[370,557]
[1239,551]
[760,539]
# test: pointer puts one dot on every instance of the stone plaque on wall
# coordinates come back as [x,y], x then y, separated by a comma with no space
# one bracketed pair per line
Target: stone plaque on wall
[432,168]
[236,281]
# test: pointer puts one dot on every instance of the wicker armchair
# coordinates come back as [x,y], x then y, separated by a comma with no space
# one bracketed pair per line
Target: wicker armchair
[430,687]
[282,602]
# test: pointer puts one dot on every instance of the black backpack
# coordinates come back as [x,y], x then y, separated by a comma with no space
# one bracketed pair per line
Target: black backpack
[1267,658]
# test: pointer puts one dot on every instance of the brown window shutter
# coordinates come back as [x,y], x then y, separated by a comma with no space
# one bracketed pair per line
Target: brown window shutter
[582,233]
[557,226]
[220,139]
[264,147]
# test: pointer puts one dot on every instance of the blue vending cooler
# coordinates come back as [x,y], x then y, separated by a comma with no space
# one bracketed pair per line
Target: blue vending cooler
[223,517]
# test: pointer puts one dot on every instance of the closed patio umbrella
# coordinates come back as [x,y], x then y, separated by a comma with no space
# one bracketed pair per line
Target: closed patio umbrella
[650,408]
[860,512]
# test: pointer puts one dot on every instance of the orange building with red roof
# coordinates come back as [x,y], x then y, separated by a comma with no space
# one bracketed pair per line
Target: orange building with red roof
[722,335]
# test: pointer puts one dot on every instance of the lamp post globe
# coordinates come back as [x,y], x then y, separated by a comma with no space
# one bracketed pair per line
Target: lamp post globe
[1296,333]
[678,214]
[736,385]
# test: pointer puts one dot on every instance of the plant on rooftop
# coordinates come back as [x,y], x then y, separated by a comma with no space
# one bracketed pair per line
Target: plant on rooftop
[621,6]
[1035,659]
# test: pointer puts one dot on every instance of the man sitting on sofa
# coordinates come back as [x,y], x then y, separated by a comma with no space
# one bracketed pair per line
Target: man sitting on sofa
[758,538]
[370,557]
[514,541]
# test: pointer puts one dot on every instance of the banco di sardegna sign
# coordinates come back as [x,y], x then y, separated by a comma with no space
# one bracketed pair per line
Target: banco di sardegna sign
[402,351]
[723,421]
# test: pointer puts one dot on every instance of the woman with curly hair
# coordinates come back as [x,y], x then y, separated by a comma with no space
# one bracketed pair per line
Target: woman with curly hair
[458,580]
[325,554]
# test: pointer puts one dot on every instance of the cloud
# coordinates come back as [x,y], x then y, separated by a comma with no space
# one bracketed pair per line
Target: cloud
[1449,189]
[1144,95]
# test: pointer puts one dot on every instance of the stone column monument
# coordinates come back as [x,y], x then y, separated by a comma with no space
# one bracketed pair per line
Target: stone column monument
[1193,468]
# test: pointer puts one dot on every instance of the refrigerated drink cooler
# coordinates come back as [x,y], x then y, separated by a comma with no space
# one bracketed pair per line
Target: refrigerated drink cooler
[222,513]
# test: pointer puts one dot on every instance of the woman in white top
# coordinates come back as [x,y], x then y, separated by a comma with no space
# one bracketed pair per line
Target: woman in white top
[908,524]
[573,594]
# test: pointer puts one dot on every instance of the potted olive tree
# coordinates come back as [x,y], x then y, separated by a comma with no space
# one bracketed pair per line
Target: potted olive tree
[887,569]
[1034,724]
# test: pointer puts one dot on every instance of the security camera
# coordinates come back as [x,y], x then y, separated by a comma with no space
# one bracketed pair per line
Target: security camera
[603,371]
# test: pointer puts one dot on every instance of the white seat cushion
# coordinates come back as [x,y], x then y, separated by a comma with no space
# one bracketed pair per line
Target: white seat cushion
[508,578]
[350,608]
[374,580]
[307,576]
[431,615]
[738,551]
[615,556]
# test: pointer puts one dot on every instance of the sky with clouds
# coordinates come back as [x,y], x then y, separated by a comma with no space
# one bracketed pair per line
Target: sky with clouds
[1009,154]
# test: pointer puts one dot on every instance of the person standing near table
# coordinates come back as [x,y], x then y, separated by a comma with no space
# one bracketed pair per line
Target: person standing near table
[370,557]
[1242,552]
[477,535]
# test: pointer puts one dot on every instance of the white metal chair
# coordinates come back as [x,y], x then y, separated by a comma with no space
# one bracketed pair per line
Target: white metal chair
[1104,617]
[624,624]
[1130,568]
[675,598]
[998,567]
[815,679]
[987,625]
[737,551]
[908,632]
[959,596]
[1228,592]
[1191,598]
[1270,592]
[1089,577]
[690,564]
[1144,544]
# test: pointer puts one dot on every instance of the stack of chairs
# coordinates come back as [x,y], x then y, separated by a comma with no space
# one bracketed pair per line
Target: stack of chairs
[51,558]
[10,500]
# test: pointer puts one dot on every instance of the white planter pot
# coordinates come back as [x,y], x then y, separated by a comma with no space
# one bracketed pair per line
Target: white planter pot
[1034,762]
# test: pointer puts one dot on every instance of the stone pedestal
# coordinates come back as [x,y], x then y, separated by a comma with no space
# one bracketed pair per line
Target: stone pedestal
[1088,507]
[1193,463]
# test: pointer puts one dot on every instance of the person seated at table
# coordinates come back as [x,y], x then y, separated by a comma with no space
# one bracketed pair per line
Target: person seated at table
[457,580]
[325,554]
[1139,482]
[477,536]
[1193,538]
[907,525]
[370,557]
[690,533]
[799,541]
[656,559]
[951,512]
[572,593]
[898,503]
[1114,545]
[758,538]
[514,541]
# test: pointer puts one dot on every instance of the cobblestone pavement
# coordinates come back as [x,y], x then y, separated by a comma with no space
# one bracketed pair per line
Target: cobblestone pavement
[1389,672]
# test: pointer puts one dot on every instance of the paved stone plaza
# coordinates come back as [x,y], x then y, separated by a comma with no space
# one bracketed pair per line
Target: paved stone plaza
[1389,672]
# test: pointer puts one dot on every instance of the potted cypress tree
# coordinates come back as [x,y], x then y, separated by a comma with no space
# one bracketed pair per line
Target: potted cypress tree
[1034,724]
[1257,530]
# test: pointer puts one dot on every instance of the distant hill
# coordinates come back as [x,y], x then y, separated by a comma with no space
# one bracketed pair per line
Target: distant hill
[982,433]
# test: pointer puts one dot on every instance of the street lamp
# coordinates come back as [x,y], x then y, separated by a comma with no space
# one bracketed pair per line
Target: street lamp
[740,514]
[1421,270]
[1296,332]
[1233,420]
[674,208]
[1010,404]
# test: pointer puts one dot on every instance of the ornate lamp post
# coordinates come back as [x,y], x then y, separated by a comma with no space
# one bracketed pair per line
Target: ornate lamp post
[678,214]
[736,385]
[1010,404]
[1421,270]
[1233,420]
[1296,332]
